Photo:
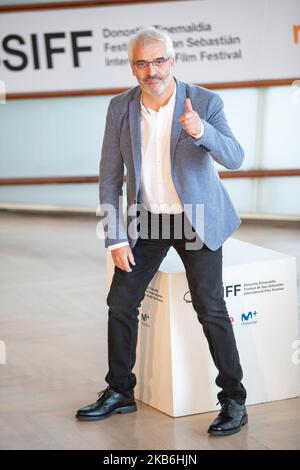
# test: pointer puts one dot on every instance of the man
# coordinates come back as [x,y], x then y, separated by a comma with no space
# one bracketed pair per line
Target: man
[167,134]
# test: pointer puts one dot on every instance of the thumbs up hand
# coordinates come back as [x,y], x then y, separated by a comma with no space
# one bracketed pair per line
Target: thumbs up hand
[191,121]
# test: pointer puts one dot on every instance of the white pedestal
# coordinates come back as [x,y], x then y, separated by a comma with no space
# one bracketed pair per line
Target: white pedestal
[175,372]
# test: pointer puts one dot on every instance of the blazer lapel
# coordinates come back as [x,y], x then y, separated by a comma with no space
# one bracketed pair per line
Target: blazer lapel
[178,111]
[135,133]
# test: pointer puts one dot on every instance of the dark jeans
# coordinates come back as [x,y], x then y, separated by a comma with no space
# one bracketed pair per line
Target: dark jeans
[204,274]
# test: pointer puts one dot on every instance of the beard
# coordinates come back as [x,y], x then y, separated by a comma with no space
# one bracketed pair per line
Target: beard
[156,84]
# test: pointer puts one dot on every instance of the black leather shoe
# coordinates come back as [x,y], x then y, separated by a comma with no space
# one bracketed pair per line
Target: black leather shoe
[109,403]
[230,419]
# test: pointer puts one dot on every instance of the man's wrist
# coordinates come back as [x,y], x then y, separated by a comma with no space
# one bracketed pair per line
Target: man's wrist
[200,134]
[117,245]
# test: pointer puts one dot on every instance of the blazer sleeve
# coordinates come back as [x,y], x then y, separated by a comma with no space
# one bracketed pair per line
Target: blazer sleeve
[218,138]
[111,184]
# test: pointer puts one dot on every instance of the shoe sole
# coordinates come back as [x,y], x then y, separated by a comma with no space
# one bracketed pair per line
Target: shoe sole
[123,410]
[230,431]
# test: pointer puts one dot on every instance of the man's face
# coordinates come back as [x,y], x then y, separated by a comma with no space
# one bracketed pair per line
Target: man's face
[153,80]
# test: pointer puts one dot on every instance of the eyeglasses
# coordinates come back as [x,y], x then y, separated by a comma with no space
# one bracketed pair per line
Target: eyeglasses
[143,64]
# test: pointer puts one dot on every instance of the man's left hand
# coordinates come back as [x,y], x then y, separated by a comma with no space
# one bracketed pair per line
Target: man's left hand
[191,121]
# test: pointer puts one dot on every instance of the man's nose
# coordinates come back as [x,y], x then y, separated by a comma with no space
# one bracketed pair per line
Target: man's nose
[151,67]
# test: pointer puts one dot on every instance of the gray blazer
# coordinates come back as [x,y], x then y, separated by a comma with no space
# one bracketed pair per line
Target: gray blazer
[193,171]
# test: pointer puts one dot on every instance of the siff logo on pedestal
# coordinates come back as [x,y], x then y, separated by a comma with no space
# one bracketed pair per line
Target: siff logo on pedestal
[230,290]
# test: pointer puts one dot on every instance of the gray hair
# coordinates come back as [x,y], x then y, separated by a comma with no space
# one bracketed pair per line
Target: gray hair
[148,36]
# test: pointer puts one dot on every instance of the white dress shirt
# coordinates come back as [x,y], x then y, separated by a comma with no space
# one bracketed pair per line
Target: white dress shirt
[157,192]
